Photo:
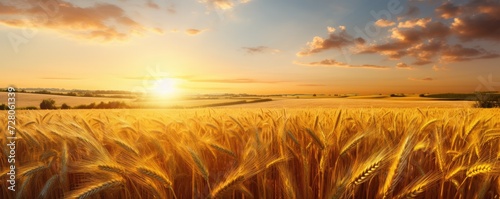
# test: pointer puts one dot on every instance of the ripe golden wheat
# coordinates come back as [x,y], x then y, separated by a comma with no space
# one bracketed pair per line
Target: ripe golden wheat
[255,153]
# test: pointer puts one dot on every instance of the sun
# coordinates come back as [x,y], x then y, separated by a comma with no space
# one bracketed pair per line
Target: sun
[165,87]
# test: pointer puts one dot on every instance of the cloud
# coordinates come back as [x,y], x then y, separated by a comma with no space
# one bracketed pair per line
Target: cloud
[224,4]
[9,10]
[480,26]
[414,22]
[439,68]
[61,78]
[412,11]
[312,85]
[152,4]
[421,79]
[147,77]
[448,10]
[421,39]
[402,65]
[372,66]
[158,30]
[192,78]
[428,30]
[194,31]
[100,21]
[384,23]
[202,87]
[394,50]
[334,63]
[425,52]
[260,49]
[335,40]
[475,20]
[426,40]
[458,53]
[171,9]
[238,81]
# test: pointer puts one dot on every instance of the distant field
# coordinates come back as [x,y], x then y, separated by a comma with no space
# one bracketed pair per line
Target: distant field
[197,103]
[403,102]
[166,103]
[375,101]
[28,99]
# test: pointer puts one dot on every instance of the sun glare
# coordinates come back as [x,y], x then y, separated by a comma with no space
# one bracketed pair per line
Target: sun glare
[165,87]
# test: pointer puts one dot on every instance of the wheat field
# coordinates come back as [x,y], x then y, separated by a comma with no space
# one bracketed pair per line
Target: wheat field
[256,153]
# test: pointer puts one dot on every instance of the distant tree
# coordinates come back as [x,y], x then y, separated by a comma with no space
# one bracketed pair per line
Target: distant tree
[48,104]
[101,105]
[31,108]
[91,106]
[486,100]
[3,107]
[314,95]
[43,92]
[421,95]
[398,95]
[82,106]
[71,94]
[65,106]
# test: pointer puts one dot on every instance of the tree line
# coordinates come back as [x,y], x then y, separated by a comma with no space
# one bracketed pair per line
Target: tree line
[51,104]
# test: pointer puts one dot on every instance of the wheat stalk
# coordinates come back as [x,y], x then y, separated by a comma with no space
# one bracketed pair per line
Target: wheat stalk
[92,190]
[199,164]
[225,185]
[126,146]
[22,189]
[32,170]
[48,185]
[64,165]
[418,186]
[397,166]
[290,134]
[111,168]
[351,143]
[155,175]
[316,139]
[453,172]
[222,149]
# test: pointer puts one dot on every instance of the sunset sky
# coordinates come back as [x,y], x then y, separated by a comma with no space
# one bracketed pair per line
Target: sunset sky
[252,46]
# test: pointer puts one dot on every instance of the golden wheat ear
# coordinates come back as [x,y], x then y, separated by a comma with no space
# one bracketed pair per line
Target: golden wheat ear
[354,141]
[399,163]
[418,186]
[481,168]
[156,175]
[222,149]
[227,184]
[316,138]
[202,168]
[91,190]
[32,170]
